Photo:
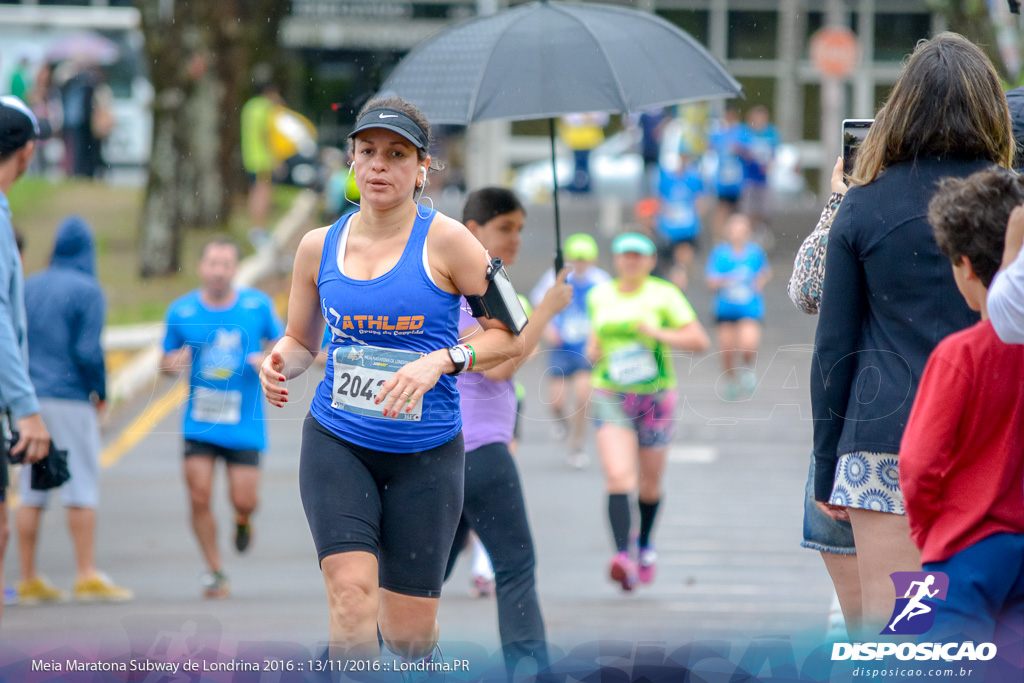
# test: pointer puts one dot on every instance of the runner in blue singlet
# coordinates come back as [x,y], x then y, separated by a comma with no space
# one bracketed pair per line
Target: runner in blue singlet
[381,469]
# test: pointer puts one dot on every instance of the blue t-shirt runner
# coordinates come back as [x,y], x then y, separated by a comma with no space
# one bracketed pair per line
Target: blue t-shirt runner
[731,143]
[763,143]
[225,405]
[740,298]
[572,324]
[679,218]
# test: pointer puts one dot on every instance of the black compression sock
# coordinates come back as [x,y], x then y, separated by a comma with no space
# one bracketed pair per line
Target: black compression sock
[648,511]
[618,515]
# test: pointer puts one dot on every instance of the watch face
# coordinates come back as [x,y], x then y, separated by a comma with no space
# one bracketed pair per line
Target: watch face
[458,355]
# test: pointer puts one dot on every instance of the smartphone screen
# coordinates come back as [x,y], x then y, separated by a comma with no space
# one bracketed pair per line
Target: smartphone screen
[854,132]
[511,300]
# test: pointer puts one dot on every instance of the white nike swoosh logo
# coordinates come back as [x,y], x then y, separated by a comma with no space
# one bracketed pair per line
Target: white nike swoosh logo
[388,116]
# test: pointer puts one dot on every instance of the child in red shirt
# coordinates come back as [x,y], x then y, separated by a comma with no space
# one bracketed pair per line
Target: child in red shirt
[962,455]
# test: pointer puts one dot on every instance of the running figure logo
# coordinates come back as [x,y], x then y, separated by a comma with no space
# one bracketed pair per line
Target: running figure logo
[914,613]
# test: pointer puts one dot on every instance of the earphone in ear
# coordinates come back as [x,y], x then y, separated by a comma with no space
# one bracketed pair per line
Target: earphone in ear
[424,169]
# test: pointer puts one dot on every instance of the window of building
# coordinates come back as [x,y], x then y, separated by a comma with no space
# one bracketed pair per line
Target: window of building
[812,111]
[758,91]
[897,34]
[882,94]
[753,35]
[694,22]
[66,2]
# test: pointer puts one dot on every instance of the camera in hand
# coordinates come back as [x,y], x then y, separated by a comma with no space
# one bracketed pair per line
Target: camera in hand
[854,132]
[50,472]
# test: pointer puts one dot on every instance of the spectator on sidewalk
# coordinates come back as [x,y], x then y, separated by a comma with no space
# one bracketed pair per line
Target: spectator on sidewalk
[961,458]
[1006,295]
[66,308]
[21,79]
[257,156]
[81,148]
[889,297]
[582,133]
[19,129]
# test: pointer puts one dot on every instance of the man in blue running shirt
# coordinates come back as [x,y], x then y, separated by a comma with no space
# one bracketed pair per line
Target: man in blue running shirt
[218,333]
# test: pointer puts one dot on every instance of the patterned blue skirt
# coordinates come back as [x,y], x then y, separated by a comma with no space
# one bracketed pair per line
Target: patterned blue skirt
[869,481]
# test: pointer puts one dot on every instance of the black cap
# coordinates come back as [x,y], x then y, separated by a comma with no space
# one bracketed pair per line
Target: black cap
[18,125]
[393,120]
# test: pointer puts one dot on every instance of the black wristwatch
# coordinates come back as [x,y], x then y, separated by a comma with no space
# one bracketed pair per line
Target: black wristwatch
[460,357]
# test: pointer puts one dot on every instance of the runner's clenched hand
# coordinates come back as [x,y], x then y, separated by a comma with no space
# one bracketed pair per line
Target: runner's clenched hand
[271,377]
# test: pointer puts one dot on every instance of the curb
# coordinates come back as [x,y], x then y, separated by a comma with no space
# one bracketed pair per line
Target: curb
[144,367]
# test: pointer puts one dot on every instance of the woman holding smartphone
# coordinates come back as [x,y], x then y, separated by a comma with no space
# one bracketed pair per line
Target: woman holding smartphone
[889,296]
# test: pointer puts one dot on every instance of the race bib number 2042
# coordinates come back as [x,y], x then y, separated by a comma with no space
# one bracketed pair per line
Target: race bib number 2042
[360,372]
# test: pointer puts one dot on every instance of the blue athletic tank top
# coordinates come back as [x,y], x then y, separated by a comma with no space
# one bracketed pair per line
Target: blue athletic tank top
[402,309]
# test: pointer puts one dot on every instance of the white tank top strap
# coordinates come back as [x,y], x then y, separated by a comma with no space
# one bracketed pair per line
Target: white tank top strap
[342,241]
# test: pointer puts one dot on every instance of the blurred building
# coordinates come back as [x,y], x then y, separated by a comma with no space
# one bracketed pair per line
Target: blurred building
[36,30]
[352,44]
[346,48]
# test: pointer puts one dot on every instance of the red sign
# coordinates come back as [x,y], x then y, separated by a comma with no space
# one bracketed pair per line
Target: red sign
[834,51]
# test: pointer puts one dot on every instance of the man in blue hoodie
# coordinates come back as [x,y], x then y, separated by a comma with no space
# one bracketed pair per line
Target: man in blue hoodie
[66,310]
[19,129]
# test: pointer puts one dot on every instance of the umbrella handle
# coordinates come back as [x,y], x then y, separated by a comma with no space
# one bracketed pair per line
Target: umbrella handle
[559,259]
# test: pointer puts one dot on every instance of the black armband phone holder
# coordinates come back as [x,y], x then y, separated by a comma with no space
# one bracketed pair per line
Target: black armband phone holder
[500,302]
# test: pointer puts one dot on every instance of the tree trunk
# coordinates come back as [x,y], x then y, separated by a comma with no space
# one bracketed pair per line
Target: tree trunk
[201,54]
[970,18]
[160,232]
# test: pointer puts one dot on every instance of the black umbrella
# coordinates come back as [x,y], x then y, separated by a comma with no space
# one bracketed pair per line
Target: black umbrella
[546,59]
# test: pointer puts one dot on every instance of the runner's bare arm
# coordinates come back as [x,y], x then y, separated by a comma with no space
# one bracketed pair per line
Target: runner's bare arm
[592,351]
[554,302]
[453,254]
[689,337]
[295,351]
[176,361]
[462,264]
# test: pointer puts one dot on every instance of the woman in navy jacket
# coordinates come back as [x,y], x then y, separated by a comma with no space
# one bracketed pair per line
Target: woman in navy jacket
[889,296]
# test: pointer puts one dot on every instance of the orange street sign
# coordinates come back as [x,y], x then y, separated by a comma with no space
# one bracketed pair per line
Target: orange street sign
[834,51]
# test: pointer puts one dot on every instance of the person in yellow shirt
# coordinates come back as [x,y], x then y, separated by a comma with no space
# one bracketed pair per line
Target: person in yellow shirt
[257,156]
[582,133]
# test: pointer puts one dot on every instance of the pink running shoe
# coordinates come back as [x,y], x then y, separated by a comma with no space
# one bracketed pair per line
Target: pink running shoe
[648,565]
[481,586]
[623,570]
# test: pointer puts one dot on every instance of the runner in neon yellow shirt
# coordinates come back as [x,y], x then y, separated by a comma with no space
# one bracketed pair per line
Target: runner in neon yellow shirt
[636,319]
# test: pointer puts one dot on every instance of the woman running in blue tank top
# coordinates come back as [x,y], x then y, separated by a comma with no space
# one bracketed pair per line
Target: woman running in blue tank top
[382,458]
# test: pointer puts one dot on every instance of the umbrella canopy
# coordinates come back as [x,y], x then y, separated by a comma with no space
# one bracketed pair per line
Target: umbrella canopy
[84,47]
[546,59]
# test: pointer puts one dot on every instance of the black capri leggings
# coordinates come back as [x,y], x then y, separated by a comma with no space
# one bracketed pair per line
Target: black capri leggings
[495,509]
[403,508]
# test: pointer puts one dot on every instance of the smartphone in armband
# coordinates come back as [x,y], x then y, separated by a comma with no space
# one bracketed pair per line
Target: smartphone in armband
[500,302]
[854,132]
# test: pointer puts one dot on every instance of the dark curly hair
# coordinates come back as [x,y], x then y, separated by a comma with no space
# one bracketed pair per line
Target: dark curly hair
[969,216]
